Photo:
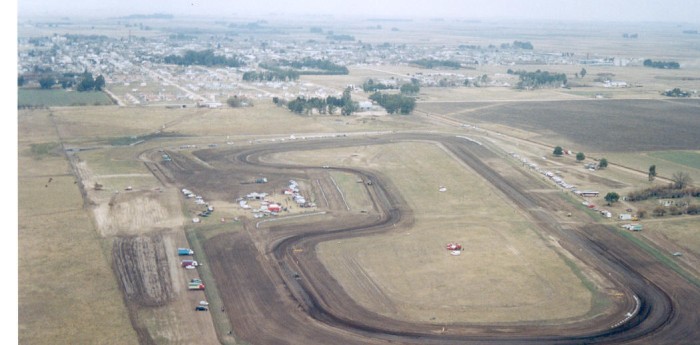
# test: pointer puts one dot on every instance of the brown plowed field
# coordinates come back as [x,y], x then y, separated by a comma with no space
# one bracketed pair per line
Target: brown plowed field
[276,291]
[141,263]
[630,125]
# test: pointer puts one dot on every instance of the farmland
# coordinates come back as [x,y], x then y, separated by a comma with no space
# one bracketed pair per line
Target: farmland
[598,125]
[363,260]
[690,159]
[60,98]
[57,284]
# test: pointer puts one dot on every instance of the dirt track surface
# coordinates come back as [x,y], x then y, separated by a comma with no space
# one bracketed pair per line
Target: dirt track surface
[277,292]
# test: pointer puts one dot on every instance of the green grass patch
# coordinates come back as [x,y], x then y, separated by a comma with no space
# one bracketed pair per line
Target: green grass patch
[687,158]
[43,149]
[60,98]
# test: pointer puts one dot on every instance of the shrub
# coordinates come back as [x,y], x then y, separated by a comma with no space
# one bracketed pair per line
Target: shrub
[659,211]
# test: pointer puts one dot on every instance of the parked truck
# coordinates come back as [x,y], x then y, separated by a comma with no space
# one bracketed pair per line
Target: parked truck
[185,251]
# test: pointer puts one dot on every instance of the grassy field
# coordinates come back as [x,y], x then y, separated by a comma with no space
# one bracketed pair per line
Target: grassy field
[666,163]
[60,98]
[687,158]
[102,125]
[65,280]
[681,230]
[506,273]
[354,193]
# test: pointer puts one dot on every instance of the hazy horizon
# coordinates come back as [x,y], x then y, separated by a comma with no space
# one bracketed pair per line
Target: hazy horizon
[685,11]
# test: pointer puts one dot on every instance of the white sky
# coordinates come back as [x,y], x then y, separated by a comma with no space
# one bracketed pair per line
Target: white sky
[598,10]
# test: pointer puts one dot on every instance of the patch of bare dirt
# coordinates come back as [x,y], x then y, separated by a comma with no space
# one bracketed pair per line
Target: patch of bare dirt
[141,264]
[138,212]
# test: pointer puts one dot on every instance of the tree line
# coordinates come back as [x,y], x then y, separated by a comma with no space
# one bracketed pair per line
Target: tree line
[203,58]
[317,66]
[394,103]
[661,64]
[329,105]
[537,79]
[676,92]
[82,82]
[435,63]
[411,88]
[518,44]
[276,75]
[371,86]
[679,188]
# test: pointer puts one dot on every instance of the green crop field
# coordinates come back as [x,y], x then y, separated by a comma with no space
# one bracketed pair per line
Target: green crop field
[687,158]
[60,98]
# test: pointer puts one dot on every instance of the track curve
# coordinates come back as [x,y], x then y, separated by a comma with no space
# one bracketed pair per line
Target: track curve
[330,316]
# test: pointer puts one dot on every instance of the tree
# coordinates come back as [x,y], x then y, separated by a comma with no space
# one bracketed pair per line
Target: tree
[558,151]
[681,180]
[20,80]
[652,172]
[99,83]
[234,102]
[641,213]
[348,106]
[659,211]
[580,156]
[692,209]
[583,72]
[410,89]
[47,82]
[87,83]
[612,197]
[603,163]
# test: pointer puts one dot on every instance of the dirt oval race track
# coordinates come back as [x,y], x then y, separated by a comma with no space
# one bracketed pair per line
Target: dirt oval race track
[276,291]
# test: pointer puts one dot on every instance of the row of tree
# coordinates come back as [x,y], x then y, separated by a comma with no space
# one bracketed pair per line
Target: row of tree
[338,37]
[661,64]
[371,86]
[518,45]
[276,75]
[305,67]
[82,82]
[538,79]
[327,66]
[394,103]
[676,92]
[329,105]
[580,156]
[203,58]
[663,192]
[691,209]
[435,63]
[680,187]
[412,88]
